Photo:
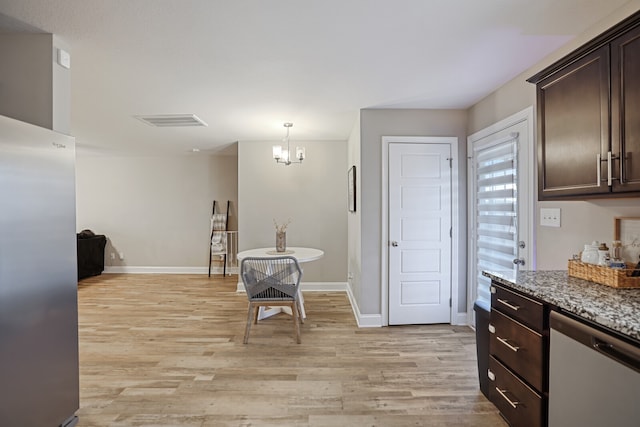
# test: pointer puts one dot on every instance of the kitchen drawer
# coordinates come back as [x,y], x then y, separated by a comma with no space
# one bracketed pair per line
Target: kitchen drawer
[519,404]
[523,309]
[518,347]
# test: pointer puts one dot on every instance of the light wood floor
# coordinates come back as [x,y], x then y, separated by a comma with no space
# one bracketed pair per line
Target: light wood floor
[166,350]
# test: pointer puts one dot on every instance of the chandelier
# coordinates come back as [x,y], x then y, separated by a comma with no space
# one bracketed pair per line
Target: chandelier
[282,156]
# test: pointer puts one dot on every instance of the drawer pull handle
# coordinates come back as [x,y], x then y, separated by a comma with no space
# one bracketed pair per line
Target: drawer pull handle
[505,342]
[508,304]
[513,404]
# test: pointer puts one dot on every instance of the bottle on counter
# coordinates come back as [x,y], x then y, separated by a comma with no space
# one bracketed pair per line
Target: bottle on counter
[617,250]
[616,259]
[603,254]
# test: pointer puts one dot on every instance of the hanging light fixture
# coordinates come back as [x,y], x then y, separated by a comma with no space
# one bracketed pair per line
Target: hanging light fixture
[282,156]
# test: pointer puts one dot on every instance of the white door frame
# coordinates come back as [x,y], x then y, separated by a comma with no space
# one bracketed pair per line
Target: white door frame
[456,257]
[527,170]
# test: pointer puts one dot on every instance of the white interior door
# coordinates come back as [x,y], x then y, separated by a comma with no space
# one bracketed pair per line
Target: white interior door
[500,203]
[419,233]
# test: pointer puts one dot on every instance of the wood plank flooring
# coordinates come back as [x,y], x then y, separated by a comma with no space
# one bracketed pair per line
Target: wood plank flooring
[166,350]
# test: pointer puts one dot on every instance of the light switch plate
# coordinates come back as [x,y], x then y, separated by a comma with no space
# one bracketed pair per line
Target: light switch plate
[550,217]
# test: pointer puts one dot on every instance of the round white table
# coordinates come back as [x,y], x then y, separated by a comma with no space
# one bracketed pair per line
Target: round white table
[300,254]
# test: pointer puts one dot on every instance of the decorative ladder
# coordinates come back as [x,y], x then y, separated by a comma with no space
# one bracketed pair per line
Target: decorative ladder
[218,242]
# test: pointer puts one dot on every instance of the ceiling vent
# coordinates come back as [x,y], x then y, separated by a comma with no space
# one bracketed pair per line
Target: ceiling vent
[172,120]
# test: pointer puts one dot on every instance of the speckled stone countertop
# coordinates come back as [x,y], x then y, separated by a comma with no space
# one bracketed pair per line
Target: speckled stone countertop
[615,308]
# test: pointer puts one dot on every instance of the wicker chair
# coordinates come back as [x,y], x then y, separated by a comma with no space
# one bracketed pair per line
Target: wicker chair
[271,282]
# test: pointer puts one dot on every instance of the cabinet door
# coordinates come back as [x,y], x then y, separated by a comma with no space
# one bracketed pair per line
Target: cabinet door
[573,128]
[625,110]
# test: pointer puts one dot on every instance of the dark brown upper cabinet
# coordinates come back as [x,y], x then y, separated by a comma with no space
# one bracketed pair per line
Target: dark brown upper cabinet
[625,109]
[588,119]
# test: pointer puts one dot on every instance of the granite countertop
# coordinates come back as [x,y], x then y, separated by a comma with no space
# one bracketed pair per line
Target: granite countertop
[615,308]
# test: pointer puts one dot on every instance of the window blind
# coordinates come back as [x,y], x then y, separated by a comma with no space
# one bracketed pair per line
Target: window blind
[496,210]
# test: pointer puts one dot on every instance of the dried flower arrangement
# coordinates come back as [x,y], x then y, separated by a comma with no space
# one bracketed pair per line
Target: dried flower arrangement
[283,227]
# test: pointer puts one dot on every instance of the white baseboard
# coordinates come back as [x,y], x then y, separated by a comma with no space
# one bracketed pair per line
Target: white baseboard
[461,319]
[219,270]
[312,287]
[363,320]
[375,320]
[125,269]
[323,286]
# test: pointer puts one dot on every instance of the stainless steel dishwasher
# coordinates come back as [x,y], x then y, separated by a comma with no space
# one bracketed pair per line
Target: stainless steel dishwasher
[594,376]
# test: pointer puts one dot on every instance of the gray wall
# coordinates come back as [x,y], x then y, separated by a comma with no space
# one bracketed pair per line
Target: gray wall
[355,218]
[313,195]
[582,222]
[34,88]
[155,210]
[373,126]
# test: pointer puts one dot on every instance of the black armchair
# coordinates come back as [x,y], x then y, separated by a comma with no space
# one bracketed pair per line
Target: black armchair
[90,254]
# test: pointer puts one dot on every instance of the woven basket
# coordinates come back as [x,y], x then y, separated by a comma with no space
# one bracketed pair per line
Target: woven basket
[614,277]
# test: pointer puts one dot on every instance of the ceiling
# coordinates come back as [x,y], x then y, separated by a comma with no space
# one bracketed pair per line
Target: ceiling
[247,66]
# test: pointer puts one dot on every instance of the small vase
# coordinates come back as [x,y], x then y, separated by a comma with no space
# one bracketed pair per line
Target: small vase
[281,241]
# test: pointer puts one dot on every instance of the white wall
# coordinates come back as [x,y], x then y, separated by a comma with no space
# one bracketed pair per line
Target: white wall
[61,89]
[517,94]
[582,222]
[312,194]
[35,88]
[155,210]
[355,218]
[374,125]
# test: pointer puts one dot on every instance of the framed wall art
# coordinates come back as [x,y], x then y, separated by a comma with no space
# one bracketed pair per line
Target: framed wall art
[627,230]
[352,188]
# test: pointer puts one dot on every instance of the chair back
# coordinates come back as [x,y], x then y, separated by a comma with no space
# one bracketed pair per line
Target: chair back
[275,279]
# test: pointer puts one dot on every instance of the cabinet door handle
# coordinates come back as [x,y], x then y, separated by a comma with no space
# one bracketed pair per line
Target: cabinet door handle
[599,167]
[514,404]
[508,304]
[609,173]
[509,346]
[622,157]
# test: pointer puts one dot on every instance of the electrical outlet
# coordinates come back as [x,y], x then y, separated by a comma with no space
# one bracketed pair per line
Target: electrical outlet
[113,256]
[121,256]
[550,217]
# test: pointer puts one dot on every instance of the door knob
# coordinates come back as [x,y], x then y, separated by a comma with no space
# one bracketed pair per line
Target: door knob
[521,244]
[394,244]
[519,261]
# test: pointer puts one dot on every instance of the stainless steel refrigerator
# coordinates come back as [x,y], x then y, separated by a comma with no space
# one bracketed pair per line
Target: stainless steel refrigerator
[38,277]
